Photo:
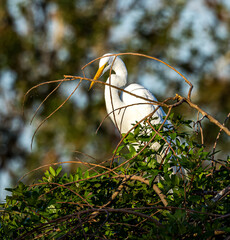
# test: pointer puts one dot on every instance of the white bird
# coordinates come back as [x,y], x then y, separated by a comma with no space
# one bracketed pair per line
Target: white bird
[125,109]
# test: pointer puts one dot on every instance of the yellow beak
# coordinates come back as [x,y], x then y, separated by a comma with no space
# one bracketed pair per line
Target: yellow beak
[97,75]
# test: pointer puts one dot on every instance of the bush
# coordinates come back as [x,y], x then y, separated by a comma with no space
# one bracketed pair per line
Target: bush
[139,198]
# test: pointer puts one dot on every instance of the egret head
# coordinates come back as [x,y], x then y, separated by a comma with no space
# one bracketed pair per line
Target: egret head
[106,62]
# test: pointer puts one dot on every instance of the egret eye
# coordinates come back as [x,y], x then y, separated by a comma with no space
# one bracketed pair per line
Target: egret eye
[107,64]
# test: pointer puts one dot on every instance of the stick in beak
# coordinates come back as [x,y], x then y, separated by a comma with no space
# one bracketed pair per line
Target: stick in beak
[97,75]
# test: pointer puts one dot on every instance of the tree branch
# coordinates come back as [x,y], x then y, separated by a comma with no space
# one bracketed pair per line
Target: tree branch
[221,194]
[155,187]
[205,114]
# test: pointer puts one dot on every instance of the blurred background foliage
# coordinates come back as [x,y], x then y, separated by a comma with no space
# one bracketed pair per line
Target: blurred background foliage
[43,40]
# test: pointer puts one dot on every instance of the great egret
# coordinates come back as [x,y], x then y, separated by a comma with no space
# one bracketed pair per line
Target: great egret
[126,110]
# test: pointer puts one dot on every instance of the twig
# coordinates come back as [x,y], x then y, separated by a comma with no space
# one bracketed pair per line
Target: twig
[126,134]
[64,162]
[44,120]
[45,100]
[221,194]
[140,179]
[198,122]
[205,114]
[218,136]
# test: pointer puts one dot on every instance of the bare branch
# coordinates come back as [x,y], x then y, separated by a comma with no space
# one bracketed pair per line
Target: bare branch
[140,179]
[205,114]
[221,194]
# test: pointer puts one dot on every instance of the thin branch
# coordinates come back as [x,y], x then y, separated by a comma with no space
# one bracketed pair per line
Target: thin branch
[140,179]
[45,100]
[221,194]
[44,120]
[205,114]
[218,136]
[64,162]
[149,57]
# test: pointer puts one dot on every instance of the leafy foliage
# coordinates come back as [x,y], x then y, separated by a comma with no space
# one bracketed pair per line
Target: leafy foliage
[140,198]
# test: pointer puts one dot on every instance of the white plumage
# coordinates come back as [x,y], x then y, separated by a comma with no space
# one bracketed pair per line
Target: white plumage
[125,109]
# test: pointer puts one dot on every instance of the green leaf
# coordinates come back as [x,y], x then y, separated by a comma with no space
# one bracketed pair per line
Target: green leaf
[76,177]
[52,171]
[9,189]
[119,149]
[58,170]
[137,130]
[97,185]
[173,135]
[47,174]
[86,175]
[79,172]
[71,178]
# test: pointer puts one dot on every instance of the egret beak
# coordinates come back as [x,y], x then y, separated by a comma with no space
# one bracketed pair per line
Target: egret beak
[97,75]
